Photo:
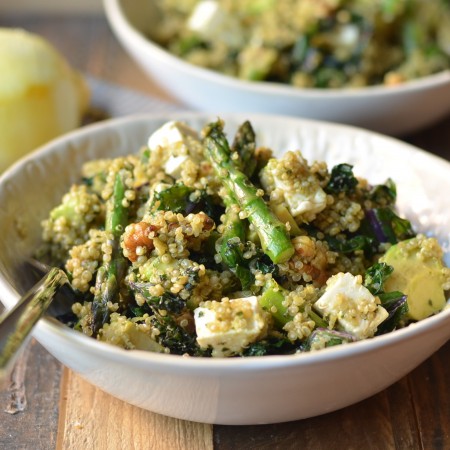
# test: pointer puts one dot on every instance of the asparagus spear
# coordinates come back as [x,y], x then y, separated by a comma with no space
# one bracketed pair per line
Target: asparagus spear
[244,145]
[272,300]
[110,274]
[234,227]
[273,235]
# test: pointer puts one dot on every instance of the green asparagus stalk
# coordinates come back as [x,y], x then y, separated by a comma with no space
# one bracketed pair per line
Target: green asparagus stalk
[110,274]
[234,227]
[272,233]
[244,144]
[232,243]
[272,300]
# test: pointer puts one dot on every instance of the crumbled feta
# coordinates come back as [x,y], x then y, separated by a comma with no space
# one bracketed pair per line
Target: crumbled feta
[229,326]
[206,16]
[211,21]
[173,134]
[349,35]
[174,165]
[350,304]
[180,143]
[290,178]
[299,203]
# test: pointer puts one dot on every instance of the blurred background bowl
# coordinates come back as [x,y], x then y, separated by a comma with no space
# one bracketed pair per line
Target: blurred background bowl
[394,110]
[241,391]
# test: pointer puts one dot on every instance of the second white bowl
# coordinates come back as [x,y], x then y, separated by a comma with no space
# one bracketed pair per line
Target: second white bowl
[394,110]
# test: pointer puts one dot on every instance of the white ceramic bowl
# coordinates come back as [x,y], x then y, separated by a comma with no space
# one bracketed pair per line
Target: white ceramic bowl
[239,390]
[391,110]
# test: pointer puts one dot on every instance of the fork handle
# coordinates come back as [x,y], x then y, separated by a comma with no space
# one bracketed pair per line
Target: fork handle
[17,323]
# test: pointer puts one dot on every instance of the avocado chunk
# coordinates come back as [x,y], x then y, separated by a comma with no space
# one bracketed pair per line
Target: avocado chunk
[419,273]
[128,334]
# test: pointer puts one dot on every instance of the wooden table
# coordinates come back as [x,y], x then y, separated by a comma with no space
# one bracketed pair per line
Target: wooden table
[63,411]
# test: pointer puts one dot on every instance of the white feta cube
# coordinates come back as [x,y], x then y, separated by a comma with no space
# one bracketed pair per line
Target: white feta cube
[349,36]
[290,178]
[173,134]
[350,304]
[206,17]
[174,165]
[300,203]
[179,142]
[310,201]
[229,326]
[210,21]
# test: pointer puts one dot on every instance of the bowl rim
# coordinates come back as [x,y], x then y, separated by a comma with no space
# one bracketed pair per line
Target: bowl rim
[148,359]
[129,32]
[213,365]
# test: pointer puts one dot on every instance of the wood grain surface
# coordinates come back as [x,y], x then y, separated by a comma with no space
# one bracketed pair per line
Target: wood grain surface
[91,419]
[37,426]
[65,412]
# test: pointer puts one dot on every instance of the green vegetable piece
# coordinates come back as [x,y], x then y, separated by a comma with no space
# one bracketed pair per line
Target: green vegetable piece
[273,235]
[189,43]
[176,338]
[155,270]
[349,245]
[323,338]
[395,303]
[256,62]
[392,227]
[110,274]
[78,199]
[259,6]
[244,144]
[127,334]
[232,242]
[67,210]
[272,300]
[417,273]
[169,302]
[375,277]
[413,37]
[285,216]
[232,253]
[300,49]
[99,307]
[392,8]
[384,193]
[245,277]
[180,198]
[175,198]
[342,179]
[270,346]
[233,236]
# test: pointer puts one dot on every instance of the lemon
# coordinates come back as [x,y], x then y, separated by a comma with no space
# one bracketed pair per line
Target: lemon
[41,96]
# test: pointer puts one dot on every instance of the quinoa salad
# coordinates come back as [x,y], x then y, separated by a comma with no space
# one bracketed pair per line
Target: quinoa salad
[310,43]
[204,244]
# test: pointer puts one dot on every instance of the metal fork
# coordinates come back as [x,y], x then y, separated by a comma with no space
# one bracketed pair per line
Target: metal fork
[17,323]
